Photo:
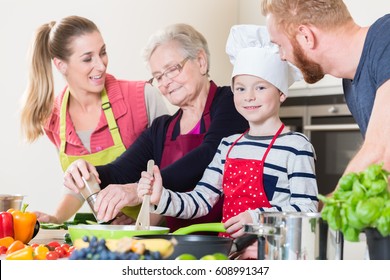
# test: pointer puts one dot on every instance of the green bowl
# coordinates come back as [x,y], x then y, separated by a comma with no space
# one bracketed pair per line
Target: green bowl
[111,231]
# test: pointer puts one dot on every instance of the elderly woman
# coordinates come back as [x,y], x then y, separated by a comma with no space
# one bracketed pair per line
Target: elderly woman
[182,145]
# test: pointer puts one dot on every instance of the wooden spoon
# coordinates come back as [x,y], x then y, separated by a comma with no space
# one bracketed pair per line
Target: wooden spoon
[143,219]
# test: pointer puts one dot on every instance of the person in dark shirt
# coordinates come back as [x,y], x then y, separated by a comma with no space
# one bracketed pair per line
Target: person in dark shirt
[321,37]
[182,145]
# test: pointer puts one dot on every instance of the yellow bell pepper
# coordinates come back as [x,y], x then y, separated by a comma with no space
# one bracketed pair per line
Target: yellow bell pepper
[23,254]
[24,224]
[40,252]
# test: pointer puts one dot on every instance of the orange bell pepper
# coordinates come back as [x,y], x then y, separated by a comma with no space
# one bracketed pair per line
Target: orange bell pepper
[24,224]
[15,246]
[6,241]
[23,254]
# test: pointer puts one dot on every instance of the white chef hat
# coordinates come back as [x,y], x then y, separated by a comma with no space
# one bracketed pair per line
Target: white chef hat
[251,52]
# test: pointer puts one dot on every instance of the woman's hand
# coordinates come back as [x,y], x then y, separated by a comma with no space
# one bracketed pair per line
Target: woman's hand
[234,226]
[113,198]
[151,184]
[122,219]
[46,218]
[79,168]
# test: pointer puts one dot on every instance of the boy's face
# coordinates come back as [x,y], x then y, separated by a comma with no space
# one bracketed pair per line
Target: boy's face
[257,100]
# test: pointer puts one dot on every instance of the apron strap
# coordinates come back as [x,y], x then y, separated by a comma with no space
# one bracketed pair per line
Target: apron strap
[272,142]
[106,106]
[269,146]
[235,142]
[112,125]
[63,121]
[206,112]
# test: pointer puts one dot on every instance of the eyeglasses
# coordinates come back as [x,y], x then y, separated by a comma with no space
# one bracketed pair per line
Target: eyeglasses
[170,73]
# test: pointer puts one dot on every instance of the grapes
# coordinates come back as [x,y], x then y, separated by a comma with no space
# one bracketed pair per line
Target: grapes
[97,250]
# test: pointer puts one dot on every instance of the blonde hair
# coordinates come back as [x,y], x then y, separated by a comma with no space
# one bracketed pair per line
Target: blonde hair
[190,40]
[289,14]
[51,40]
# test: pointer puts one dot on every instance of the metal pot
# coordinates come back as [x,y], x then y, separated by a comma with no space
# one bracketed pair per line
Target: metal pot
[295,236]
[8,201]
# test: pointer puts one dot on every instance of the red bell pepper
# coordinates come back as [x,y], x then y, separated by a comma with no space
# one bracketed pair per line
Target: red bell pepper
[6,225]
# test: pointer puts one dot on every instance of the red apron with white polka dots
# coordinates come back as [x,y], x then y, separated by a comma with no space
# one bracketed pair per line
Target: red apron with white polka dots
[243,183]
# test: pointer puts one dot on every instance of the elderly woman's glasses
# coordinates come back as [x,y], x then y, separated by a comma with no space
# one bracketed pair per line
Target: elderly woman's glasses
[170,73]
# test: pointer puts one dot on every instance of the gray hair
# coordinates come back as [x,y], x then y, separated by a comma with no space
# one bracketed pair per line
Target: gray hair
[190,40]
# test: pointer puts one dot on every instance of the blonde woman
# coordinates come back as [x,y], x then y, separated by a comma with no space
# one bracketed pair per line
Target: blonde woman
[96,117]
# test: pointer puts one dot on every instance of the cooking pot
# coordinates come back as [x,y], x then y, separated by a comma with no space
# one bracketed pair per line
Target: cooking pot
[201,245]
[295,236]
[8,201]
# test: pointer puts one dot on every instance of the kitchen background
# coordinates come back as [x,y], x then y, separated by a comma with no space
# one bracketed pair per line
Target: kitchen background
[33,169]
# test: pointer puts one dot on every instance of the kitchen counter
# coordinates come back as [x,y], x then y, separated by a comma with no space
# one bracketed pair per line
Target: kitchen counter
[44,236]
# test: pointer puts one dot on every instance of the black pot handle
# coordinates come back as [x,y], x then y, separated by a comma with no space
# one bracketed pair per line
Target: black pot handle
[261,247]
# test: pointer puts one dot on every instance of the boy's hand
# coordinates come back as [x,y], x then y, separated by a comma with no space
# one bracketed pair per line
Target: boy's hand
[234,226]
[151,184]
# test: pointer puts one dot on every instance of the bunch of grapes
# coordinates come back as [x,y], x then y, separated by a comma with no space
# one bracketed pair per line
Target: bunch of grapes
[97,250]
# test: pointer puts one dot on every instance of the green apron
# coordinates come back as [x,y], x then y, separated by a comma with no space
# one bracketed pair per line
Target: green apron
[99,158]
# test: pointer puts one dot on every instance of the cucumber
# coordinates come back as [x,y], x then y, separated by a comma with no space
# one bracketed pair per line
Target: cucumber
[51,226]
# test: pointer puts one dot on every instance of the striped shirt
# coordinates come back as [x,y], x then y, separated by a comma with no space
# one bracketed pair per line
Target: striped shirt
[289,177]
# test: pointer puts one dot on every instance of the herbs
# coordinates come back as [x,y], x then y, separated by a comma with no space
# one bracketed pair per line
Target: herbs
[362,200]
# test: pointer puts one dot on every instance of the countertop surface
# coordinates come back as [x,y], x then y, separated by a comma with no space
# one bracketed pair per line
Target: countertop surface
[44,236]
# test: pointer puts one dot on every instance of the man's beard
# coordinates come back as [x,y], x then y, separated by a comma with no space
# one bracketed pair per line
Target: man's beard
[311,71]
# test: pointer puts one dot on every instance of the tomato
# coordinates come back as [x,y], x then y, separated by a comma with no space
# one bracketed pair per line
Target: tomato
[52,255]
[3,250]
[66,249]
[34,245]
[53,244]
[61,251]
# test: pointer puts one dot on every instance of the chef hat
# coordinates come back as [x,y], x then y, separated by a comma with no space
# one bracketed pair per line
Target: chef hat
[251,52]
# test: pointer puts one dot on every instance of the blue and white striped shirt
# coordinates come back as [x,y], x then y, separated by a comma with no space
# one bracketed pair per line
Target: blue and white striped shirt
[289,177]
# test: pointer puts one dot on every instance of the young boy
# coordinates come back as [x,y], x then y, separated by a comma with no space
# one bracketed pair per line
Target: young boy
[267,168]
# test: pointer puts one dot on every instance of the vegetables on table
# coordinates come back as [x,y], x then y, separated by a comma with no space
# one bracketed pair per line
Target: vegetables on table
[24,224]
[6,241]
[6,225]
[52,226]
[15,246]
[52,255]
[19,251]
[53,244]
[185,257]
[362,200]
[3,250]
[40,252]
[23,254]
